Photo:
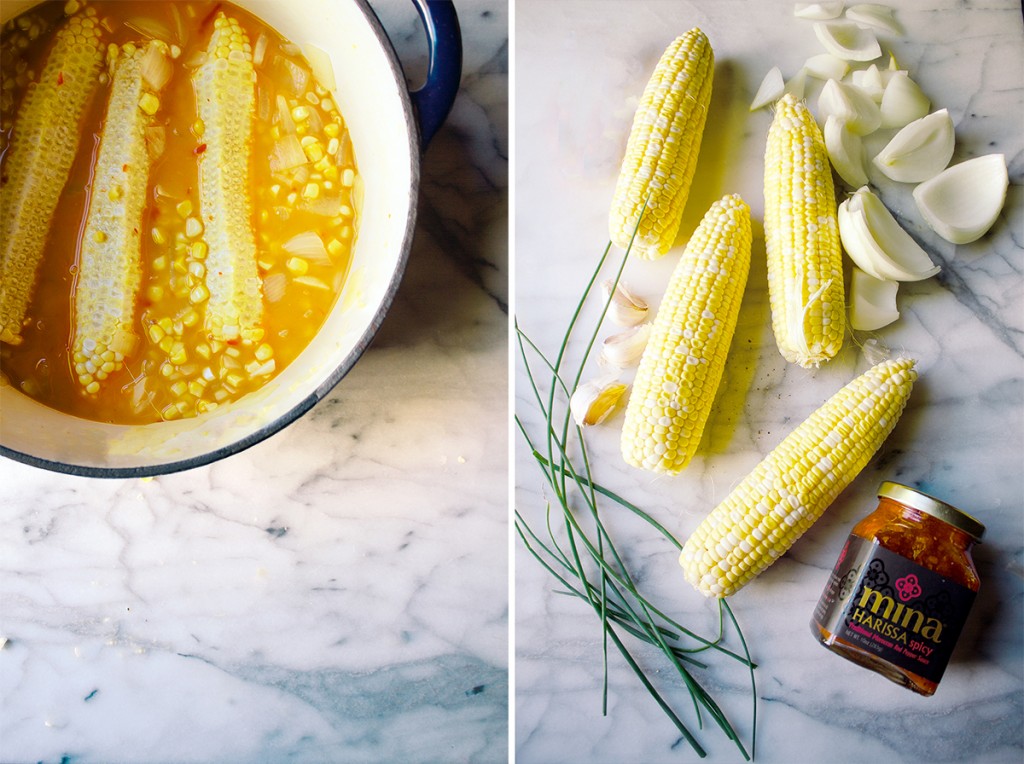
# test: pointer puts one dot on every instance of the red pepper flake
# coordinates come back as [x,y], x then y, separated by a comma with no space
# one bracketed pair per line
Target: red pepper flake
[199,149]
[124,168]
[60,78]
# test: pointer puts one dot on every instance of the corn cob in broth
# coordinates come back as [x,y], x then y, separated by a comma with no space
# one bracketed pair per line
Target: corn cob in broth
[662,150]
[805,268]
[683,362]
[791,488]
[38,161]
[226,97]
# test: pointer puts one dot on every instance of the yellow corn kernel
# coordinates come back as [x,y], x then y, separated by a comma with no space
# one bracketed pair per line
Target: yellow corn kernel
[682,364]
[179,388]
[203,351]
[264,352]
[155,292]
[311,191]
[149,103]
[156,333]
[348,177]
[178,354]
[335,248]
[193,227]
[166,345]
[300,113]
[332,130]
[115,193]
[790,489]
[110,276]
[38,161]
[661,153]
[332,173]
[198,250]
[158,236]
[199,127]
[296,266]
[198,293]
[805,267]
[184,208]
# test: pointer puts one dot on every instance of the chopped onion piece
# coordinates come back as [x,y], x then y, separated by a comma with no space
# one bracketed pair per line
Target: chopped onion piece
[196,59]
[963,201]
[297,76]
[309,245]
[818,11]
[156,140]
[850,105]
[155,67]
[284,115]
[876,242]
[259,50]
[872,301]
[919,151]
[770,91]
[287,154]
[875,16]
[274,286]
[846,152]
[825,66]
[847,41]
[149,27]
[902,101]
[797,84]
[312,281]
[321,64]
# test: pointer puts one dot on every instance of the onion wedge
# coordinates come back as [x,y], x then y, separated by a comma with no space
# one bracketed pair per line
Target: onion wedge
[825,66]
[851,105]
[872,301]
[818,11]
[902,101]
[875,16]
[876,242]
[963,201]
[919,151]
[770,91]
[846,152]
[847,41]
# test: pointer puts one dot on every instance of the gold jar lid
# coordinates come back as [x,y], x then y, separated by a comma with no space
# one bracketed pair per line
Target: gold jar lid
[922,502]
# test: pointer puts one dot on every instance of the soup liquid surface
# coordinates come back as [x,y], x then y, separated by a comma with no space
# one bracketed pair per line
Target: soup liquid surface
[303,216]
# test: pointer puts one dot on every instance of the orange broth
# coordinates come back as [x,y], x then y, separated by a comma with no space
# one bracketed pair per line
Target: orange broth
[176,369]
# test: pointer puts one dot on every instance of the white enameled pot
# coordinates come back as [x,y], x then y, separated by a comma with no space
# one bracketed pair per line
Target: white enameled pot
[389,127]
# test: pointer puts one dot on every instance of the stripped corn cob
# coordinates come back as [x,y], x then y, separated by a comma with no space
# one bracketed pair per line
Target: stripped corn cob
[662,149]
[109,267]
[226,97]
[43,146]
[684,358]
[790,489]
[805,268]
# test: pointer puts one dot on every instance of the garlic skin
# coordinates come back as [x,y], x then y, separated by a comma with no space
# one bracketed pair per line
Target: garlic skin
[919,151]
[624,349]
[593,402]
[963,201]
[624,307]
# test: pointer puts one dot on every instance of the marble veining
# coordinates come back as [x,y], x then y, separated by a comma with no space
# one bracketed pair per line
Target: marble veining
[580,69]
[335,593]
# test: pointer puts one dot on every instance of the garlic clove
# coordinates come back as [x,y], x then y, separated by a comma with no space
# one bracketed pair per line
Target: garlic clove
[903,101]
[847,41]
[919,151]
[846,152]
[770,91]
[624,349]
[851,105]
[624,307]
[872,301]
[870,82]
[818,11]
[825,66]
[876,242]
[963,201]
[593,402]
[875,16]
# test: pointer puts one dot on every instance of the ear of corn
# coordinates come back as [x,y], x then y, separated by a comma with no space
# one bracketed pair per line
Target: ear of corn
[682,364]
[226,97]
[109,258]
[43,146]
[805,269]
[790,489]
[662,149]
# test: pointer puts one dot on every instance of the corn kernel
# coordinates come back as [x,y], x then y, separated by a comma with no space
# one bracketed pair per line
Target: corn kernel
[345,211]
[322,164]
[179,388]
[149,103]
[264,352]
[179,328]
[166,344]
[300,113]
[158,236]
[197,269]
[199,127]
[198,250]
[92,388]
[115,193]
[264,216]
[335,248]
[311,191]
[346,232]
[275,133]
[348,178]
[184,208]
[312,98]
[155,292]
[332,173]
[198,294]
[160,263]
[275,190]
[178,354]
[196,387]
[292,198]
[203,351]
[296,266]
[99,237]
[332,146]
[170,411]
[193,227]
[332,130]
[175,52]
[166,324]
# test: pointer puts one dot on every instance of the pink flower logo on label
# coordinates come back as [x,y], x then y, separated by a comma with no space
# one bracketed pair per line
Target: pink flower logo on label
[842,555]
[907,587]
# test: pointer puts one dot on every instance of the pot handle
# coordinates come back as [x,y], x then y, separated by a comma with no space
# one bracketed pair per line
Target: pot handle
[434,100]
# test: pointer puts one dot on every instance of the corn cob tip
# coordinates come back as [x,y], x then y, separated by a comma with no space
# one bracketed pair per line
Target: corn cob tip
[794,484]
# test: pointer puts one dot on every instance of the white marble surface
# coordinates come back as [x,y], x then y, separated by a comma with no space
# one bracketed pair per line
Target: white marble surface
[580,68]
[336,593]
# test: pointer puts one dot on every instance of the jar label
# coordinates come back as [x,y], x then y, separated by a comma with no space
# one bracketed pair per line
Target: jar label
[893,608]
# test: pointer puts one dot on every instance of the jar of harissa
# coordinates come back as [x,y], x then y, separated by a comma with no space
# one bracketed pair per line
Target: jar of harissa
[901,589]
